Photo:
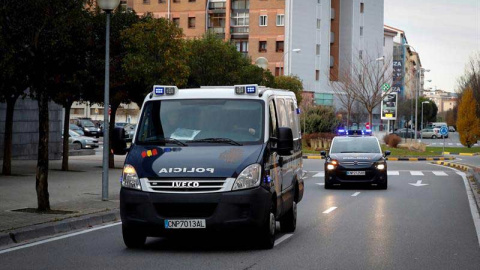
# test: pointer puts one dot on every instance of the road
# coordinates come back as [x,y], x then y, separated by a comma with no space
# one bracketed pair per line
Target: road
[405,227]
[453,140]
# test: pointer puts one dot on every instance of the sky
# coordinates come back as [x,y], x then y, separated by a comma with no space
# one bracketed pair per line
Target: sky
[446,33]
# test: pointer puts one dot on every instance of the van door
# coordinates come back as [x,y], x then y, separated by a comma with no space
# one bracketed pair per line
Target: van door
[274,158]
[283,112]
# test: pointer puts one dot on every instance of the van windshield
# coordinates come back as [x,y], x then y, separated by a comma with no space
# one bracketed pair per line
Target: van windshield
[189,121]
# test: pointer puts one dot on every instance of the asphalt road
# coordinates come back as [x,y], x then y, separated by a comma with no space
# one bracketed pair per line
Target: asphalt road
[404,227]
[453,140]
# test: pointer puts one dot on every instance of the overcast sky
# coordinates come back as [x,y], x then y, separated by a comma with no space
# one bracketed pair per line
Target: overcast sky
[444,32]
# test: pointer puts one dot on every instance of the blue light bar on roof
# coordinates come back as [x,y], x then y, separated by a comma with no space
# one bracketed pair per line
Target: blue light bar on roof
[248,89]
[161,90]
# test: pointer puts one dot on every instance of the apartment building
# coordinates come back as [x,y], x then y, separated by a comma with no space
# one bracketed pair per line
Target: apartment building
[443,99]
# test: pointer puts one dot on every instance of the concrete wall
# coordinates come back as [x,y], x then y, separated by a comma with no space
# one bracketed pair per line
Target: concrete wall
[25,130]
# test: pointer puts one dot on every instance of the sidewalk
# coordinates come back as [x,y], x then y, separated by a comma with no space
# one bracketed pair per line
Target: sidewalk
[78,190]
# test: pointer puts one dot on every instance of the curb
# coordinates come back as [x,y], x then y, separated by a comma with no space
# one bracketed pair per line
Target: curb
[313,157]
[18,236]
[461,154]
[419,158]
[453,165]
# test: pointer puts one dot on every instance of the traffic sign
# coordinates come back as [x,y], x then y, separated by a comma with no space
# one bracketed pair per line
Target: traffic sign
[443,130]
[385,87]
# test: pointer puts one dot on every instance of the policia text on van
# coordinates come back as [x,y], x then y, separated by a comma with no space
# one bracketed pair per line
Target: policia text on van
[212,159]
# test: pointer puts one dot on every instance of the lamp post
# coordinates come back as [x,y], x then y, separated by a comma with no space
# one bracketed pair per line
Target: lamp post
[421,125]
[382,59]
[283,56]
[108,6]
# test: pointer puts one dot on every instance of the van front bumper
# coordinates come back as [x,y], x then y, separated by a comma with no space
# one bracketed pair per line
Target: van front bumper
[236,210]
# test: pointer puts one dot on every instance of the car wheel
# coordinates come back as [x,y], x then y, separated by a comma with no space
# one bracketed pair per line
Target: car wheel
[266,239]
[77,145]
[288,223]
[434,137]
[328,185]
[133,238]
[383,185]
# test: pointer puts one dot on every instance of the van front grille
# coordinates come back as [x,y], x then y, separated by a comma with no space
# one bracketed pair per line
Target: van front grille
[186,185]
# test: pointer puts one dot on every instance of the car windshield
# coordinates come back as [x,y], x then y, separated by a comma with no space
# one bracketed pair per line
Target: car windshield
[87,123]
[208,120]
[73,133]
[355,145]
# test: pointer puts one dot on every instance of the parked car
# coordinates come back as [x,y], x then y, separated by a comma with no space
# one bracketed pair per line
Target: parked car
[77,129]
[451,129]
[403,133]
[431,133]
[81,142]
[88,127]
[130,131]
[121,124]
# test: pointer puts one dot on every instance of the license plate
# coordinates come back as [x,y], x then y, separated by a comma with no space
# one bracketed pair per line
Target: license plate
[355,172]
[93,132]
[185,224]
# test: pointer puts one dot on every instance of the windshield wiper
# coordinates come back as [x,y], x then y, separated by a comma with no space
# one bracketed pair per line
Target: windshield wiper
[164,140]
[217,140]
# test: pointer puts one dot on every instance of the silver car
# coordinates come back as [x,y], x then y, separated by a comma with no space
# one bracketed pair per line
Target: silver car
[80,142]
[431,133]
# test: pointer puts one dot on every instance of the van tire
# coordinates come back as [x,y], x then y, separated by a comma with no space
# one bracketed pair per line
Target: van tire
[266,237]
[434,137]
[132,238]
[288,223]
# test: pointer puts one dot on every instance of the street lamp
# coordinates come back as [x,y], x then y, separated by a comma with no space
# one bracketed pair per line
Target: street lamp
[421,127]
[108,6]
[283,56]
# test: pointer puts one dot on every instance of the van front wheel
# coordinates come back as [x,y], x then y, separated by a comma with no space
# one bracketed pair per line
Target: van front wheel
[289,222]
[132,238]
[266,239]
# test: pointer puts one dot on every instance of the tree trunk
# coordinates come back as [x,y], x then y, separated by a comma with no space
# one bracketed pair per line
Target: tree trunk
[41,183]
[7,142]
[111,161]
[66,128]
[370,118]
[349,111]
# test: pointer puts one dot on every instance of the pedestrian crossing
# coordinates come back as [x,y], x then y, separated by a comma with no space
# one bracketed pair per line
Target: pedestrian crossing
[401,173]
[449,144]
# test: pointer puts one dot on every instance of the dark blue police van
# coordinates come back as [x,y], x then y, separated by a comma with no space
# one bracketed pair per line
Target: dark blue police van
[213,159]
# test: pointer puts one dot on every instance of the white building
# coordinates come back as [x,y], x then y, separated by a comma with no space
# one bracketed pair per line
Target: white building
[127,113]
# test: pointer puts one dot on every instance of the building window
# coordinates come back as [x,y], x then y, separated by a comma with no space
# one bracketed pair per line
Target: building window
[191,22]
[317,51]
[241,19]
[161,1]
[362,7]
[280,19]
[263,20]
[277,71]
[192,1]
[317,75]
[77,111]
[360,54]
[361,31]
[324,99]
[242,46]
[146,2]
[319,23]
[262,46]
[279,46]
[176,1]
[176,21]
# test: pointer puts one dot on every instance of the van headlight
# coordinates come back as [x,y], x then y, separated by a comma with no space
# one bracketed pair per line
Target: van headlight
[130,178]
[249,177]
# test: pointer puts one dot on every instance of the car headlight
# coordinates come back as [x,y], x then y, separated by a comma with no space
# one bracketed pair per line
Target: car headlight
[86,129]
[381,166]
[249,177]
[331,165]
[130,178]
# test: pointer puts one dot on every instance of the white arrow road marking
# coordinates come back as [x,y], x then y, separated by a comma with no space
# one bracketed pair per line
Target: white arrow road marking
[393,173]
[416,173]
[329,209]
[320,184]
[439,173]
[418,184]
[355,194]
[320,174]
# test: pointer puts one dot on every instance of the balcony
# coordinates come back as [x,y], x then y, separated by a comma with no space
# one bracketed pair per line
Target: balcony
[217,7]
[239,30]
[217,30]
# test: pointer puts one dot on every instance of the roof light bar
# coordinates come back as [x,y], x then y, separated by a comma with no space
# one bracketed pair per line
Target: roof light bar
[162,90]
[246,89]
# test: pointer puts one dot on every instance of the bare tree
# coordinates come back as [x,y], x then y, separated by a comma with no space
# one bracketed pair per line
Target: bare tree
[358,113]
[363,79]
[343,91]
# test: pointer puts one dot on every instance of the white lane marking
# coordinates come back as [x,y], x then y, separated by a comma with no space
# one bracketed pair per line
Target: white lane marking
[329,209]
[459,144]
[418,184]
[320,184]
[473,205]
[58,238]
[320,174]
[393,173]
[450,143]
[439,173]
[281,239]
[416,173]
[355,194]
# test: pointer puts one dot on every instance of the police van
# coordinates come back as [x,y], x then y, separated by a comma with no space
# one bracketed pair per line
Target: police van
[212,159]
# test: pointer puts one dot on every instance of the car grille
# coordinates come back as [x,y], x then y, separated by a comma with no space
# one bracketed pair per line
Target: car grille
[184,185]
[360,163]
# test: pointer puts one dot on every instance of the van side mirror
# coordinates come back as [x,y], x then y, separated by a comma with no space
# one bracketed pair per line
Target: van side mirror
[387,153]
[119,143]
[323,153]
[285,141]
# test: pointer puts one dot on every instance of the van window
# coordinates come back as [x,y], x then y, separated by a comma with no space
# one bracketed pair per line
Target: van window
[282,113]
[272,120]
[186,120]
[292,115]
